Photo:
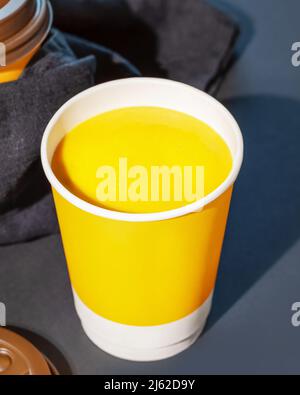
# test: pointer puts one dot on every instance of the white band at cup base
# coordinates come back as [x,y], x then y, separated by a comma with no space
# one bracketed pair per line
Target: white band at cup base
[143,343]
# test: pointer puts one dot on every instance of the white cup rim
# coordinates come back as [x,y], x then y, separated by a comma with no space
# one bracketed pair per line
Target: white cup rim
[143,217]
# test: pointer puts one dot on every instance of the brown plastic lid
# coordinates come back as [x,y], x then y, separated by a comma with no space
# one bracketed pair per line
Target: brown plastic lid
[19,357]
[24,24]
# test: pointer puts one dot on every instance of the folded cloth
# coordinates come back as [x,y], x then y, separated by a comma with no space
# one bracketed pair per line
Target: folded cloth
[61,70]
[185,40]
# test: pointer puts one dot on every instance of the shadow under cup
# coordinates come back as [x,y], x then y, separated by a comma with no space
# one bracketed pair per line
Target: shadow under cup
[143,283]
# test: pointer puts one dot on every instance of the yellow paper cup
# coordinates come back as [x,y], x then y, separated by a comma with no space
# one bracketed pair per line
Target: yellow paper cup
[143,283]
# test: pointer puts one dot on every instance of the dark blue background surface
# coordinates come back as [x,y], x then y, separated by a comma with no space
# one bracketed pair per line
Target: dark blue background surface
[250,328]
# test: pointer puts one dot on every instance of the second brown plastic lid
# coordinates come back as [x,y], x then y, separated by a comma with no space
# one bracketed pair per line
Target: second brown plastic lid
[20,357]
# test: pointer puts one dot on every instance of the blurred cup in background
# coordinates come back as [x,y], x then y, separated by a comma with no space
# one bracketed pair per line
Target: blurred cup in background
[24,25]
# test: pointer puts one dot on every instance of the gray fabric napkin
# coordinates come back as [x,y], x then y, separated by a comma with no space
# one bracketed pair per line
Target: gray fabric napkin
[182,40]
[185,40]
[65,66]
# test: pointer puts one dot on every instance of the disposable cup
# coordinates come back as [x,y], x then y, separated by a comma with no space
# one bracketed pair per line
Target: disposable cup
[143,284]
[24,25]
[14,71]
